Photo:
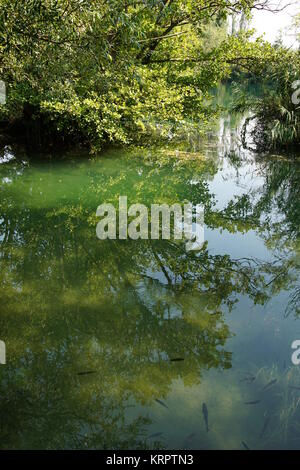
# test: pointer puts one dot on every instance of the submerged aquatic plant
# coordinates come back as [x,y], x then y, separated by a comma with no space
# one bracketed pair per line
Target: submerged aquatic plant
[278,387]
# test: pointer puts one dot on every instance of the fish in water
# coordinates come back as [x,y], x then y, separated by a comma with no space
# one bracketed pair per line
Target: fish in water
[177,359]
[293,387]
[265,425]
[248,380]
[161,403]
[269,384]
[254,402]
[245,445]
[205,416]
[87,372]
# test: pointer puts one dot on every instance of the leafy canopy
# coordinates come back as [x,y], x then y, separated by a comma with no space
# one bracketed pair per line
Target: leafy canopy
[112,69]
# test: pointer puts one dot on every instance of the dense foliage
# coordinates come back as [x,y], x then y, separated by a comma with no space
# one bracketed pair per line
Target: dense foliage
[112,70]
[276,109]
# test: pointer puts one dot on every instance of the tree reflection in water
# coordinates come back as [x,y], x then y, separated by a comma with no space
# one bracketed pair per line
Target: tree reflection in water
[91,327]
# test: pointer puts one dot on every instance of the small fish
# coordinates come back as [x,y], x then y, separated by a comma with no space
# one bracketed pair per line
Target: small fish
[265,425]
[156,434]
[293,387]
[177,359]
[205,415]
[248,380]
[87,372]
[254,402]
[269,384]
[245,445]
[161,403]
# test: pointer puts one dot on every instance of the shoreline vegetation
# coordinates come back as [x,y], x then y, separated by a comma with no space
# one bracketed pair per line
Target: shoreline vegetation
[96,73]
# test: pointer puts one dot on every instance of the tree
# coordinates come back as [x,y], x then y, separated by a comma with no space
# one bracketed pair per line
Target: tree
[107,70]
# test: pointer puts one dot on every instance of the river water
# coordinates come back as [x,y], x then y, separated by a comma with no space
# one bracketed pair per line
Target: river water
[117,344]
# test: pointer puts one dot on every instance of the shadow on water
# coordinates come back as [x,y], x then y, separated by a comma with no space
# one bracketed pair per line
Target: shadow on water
[117,344]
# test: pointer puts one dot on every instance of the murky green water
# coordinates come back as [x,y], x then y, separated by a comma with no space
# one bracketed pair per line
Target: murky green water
[91,327]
